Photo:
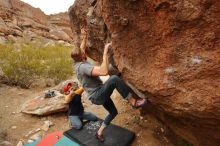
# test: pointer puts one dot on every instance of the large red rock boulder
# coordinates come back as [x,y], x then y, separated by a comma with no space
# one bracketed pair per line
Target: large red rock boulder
[169,51]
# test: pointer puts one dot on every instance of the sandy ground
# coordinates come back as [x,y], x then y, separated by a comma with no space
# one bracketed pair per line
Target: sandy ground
[149,132]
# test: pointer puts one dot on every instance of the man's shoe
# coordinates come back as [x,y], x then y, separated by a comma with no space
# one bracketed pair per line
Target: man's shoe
[99,137]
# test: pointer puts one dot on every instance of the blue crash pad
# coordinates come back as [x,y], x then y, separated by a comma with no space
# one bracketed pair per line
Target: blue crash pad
[66,142]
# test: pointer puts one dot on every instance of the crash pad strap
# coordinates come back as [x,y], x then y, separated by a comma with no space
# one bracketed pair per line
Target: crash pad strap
[33,143]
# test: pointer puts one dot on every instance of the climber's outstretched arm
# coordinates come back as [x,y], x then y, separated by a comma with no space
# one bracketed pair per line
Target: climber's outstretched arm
[103,69]
[84,41]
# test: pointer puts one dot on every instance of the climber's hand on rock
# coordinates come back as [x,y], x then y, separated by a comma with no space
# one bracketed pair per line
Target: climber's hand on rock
[107,46]
[84,32]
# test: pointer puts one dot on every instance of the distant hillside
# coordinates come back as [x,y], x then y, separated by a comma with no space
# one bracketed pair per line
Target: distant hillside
[18,19]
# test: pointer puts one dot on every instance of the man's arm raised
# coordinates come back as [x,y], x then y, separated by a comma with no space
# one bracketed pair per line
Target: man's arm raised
[84,41]
[102,70]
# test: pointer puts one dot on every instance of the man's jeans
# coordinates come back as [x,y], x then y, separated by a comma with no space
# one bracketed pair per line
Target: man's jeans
[76,121]
[102,96]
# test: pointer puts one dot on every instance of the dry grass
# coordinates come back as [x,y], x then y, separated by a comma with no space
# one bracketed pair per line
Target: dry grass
[24,63]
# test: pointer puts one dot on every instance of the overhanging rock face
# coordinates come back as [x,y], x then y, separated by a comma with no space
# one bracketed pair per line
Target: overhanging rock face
[88,14]
[168,50]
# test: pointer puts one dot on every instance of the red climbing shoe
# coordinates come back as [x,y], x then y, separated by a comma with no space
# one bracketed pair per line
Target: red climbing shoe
[99,137]
[140,103]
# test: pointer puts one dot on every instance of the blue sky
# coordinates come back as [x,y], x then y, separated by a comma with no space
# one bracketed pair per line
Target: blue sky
[51,6]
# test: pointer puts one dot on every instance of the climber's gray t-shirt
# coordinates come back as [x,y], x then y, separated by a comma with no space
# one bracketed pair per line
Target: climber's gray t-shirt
[84,75]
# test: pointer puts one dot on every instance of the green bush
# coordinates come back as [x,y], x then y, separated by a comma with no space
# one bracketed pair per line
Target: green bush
[24,63]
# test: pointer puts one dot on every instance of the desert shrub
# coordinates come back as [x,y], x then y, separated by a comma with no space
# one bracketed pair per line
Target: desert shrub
[24,63]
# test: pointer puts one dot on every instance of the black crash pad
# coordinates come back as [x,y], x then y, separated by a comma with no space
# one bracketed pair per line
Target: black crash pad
[114,135]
